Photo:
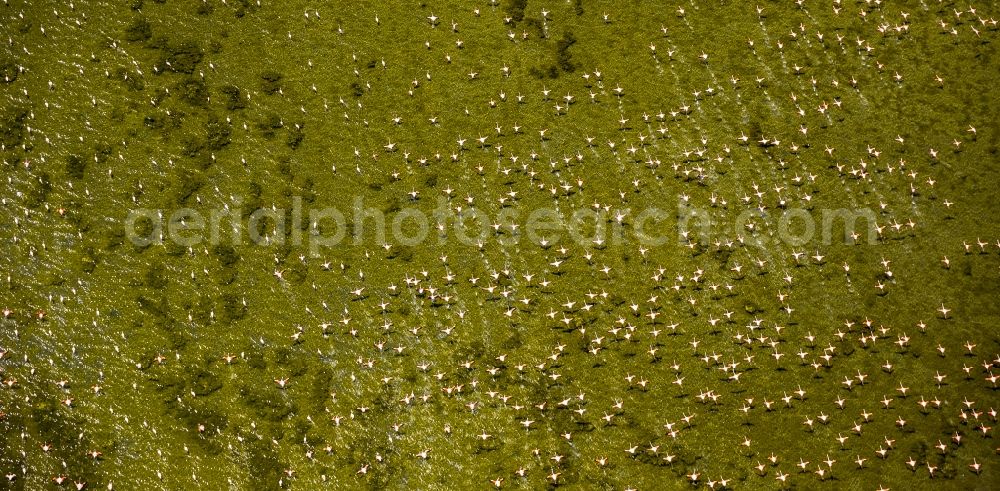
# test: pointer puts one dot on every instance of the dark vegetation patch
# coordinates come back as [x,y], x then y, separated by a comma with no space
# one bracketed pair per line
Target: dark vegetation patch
[515,9]
[139,31]
[270,82]
[178,56]
[75,165]
[233,97]
[562,62]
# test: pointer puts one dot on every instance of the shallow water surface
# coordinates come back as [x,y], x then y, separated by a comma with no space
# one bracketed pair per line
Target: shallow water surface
[644,276]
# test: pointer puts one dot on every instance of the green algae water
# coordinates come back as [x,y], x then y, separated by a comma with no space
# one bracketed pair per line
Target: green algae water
[499,244]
